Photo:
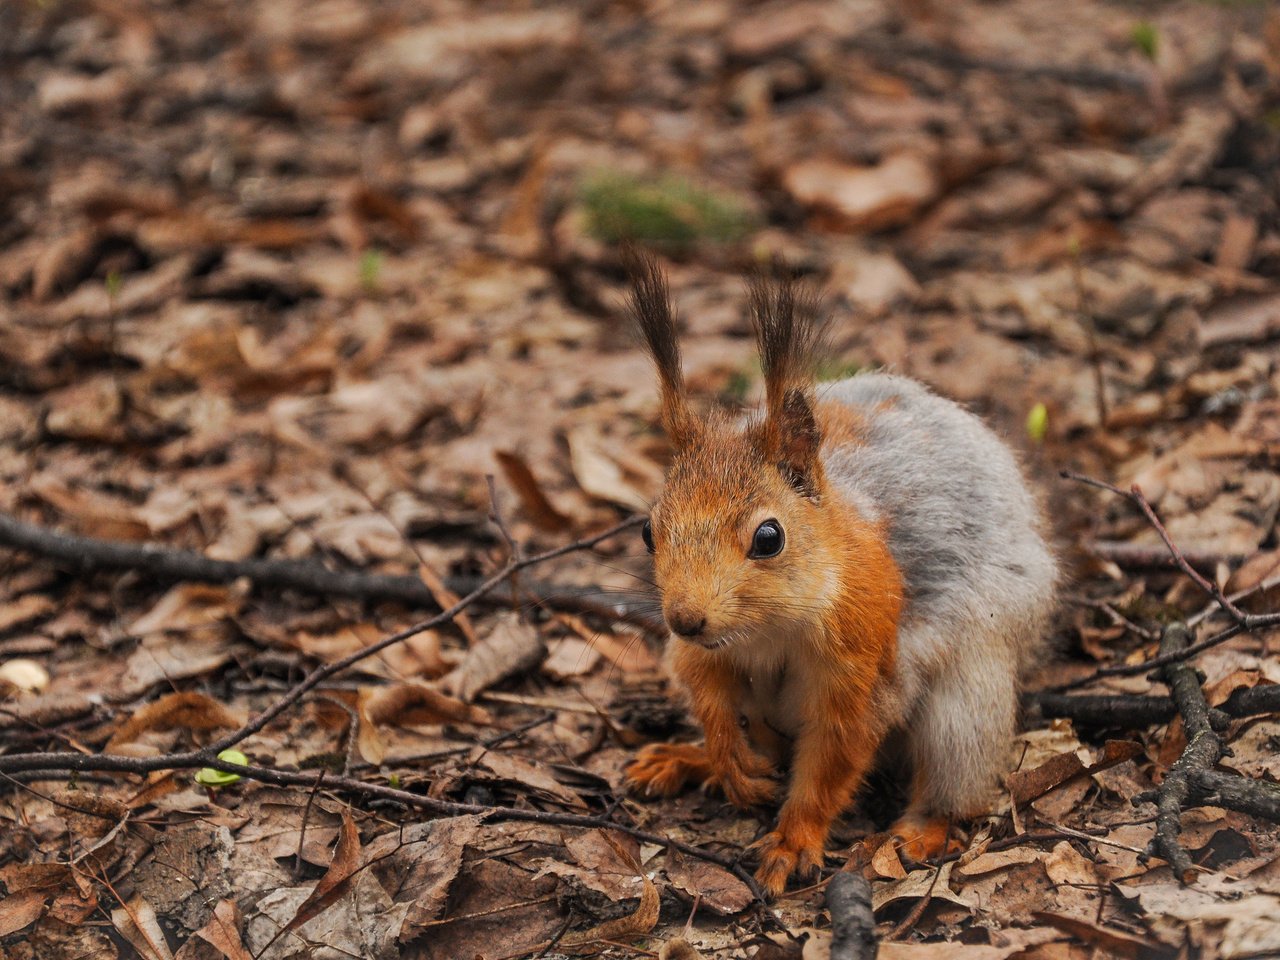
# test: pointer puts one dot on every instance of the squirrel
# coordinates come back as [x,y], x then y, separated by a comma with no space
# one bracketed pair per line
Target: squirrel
[859,574]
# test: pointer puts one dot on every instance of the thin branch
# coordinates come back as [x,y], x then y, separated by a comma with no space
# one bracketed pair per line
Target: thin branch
[91,555]
[1131,712]
[1204,749]
[320,674]
[853,925]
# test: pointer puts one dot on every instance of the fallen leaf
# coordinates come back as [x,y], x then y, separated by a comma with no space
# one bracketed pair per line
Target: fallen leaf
[191,710]
[222,932]
[710,885]
[136,921]
[540,510]
[512,647]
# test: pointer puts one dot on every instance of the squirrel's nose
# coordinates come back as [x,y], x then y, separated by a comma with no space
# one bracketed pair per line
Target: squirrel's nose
[685,623]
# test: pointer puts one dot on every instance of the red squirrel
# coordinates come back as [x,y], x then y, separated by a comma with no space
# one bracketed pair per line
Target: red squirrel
[858,566]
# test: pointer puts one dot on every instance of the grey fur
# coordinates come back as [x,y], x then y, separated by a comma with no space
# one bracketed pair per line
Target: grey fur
[980,579]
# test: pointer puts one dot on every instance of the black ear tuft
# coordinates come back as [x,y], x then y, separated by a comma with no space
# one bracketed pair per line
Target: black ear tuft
[789,333]
[651,310]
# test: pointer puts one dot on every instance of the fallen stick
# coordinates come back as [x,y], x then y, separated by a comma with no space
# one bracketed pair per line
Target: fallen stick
[1204,749]
[91,555]
[853,925]
[1130,712]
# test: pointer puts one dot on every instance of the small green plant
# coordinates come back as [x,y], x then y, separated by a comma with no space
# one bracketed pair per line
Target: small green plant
[667,213]
[213,778]
[1038,423]
[370,270]
[1145,38]
[113,283]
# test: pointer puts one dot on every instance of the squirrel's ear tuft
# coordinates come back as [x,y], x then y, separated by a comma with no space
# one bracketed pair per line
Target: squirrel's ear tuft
[652,313]
[789,328]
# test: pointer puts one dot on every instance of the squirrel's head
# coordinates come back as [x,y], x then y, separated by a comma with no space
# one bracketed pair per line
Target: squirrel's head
[739,533]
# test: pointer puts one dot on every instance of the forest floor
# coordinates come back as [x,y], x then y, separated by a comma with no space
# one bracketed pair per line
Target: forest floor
[290,280]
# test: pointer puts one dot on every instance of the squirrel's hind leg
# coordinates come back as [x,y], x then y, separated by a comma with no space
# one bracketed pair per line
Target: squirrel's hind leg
[959,739]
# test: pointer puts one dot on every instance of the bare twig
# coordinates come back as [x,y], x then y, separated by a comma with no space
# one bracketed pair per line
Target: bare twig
[89,555]
[320,674]
[853,925]
[1204,748]
[1211,788]
[1131,712]
[1138,556]
[1243,622]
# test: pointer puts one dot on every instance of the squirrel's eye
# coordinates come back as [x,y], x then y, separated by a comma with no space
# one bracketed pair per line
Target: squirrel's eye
[646,532]
[768,540]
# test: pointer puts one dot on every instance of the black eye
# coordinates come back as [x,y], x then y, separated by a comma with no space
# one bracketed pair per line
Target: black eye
[646,532]
[767,541]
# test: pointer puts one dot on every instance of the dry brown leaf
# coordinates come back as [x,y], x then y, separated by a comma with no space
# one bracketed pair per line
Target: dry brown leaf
[346,863]
[678,948]
[24,609]
[186,606]
[540,510]
[222,932]
[190,710]
[419,863]
[446,599]
[638,923]
[885,862]
[21,909]
[512,647]
[22,676]
[1116,942]
[863,198]
[600,474]
[570,657]
[137,922]
[1025,785]
[712,886]
[629,652]
[417,703]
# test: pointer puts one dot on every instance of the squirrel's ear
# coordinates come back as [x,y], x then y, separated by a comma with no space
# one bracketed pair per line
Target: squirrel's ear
[796,440]
[787,320]
[651,310]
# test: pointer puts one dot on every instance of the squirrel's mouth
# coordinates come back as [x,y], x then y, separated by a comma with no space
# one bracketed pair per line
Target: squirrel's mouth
[722,642]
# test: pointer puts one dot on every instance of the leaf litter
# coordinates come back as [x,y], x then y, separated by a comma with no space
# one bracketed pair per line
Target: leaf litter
[290,282]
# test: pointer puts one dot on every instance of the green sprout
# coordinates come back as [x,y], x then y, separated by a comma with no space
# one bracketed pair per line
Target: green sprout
[667,213]
[1038,423]
[1146,38]
[213,778]
[114,282]
[370,270]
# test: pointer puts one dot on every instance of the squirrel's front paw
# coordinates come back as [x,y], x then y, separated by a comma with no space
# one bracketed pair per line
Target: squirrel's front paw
[782,854]
[662,769]
[744,779]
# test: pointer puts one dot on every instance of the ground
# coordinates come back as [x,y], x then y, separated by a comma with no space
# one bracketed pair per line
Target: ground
[291,280]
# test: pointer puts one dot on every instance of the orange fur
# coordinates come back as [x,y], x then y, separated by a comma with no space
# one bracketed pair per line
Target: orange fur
[924,838]
[805,638]
[840,424]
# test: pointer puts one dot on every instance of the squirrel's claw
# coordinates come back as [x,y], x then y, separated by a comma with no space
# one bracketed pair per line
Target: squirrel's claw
[662,769]
[740,789]
[781,855]
[924,838]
